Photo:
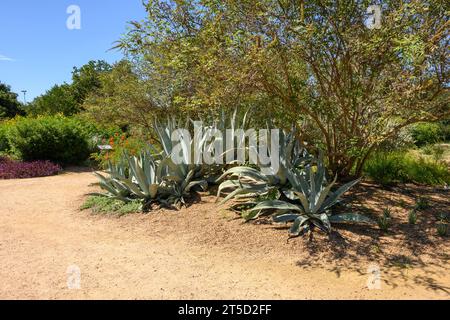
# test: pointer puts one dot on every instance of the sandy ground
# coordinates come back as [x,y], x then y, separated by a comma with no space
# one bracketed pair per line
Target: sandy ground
[202,252]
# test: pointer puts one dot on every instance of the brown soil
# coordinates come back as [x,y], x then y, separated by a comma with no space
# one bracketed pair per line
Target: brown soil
[205,252]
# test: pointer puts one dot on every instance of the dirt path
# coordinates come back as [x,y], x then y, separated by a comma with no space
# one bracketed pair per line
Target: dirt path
[197,253]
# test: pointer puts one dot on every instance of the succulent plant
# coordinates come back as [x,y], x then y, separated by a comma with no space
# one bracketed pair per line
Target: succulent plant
[308,202]
[149,179]
[384,222]
[412,217]
[244,181]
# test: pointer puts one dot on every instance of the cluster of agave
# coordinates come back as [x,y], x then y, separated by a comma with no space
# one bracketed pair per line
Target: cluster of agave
[152,176]
[150,179]
[297,192]
[245,182]
[300,194]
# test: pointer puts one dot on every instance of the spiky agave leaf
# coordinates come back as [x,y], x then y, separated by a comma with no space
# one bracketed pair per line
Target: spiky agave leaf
[299,226]
[335,196]
[265,207]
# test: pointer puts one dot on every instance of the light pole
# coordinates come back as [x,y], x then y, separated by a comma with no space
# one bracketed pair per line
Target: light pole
[24,96]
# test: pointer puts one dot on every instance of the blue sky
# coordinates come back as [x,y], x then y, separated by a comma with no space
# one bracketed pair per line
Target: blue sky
[37,50]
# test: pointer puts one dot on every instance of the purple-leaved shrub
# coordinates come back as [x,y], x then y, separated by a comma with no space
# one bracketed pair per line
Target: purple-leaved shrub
[20,170]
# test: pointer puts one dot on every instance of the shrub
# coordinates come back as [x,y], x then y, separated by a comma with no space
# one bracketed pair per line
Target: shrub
[392,167]
[99,204]
[4,144]
[412,217]
[55,138]
[442,228]
[384,222]
[435,151]
[120,143]
[445,127]
[422,203]
[426,133]
[21,170]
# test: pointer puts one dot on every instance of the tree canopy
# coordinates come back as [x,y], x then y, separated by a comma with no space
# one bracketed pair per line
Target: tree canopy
[314,63]
[9,105]
[68,99]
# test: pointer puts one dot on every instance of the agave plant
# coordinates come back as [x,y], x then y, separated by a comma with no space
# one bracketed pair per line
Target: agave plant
[148,179]
[134,177]
[246,181]
[307,203]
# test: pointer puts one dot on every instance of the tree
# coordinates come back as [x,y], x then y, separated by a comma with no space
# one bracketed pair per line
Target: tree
[86,79]
[59,99]
[9,105]
[315,63]
[123,99]
[68,99]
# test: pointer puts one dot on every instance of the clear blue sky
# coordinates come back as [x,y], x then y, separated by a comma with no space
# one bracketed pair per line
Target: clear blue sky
[37,50]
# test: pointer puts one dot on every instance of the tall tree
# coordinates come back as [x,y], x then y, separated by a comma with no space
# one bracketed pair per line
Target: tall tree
[123,99]
[9,105]
[68,99]
[313,62]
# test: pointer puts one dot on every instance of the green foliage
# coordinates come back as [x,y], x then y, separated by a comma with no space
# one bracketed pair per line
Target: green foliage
[9,105]
[412,217]
[148,178]
[55,138]
[317,65]
[442,228]
[384,222]
[120,143]
[426,133]
[4,143]
[245,181]
[435,151]
[422,203]
[59,99]
[68,99]
[100,204]
[124,99]
[307,201]
[389,168]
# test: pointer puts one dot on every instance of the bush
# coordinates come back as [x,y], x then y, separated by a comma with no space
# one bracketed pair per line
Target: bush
[427,133]
[107,205]
[392,167]
[445,128]
[120,143]
[4,144]
[55,138]
[21,170]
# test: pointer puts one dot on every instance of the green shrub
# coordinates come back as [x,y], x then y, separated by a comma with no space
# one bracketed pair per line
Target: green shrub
[55,138]
[442,228]
[4,144]
[435,151]
[412,217]
[393,167]
[100,204]
[427,133]
[445,128]
[384,222]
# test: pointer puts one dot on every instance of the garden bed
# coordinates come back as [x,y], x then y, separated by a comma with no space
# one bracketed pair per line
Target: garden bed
[10,169]
[208,252]
[348,246]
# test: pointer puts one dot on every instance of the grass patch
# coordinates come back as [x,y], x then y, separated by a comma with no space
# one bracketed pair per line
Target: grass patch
[100,204]
[394,167]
